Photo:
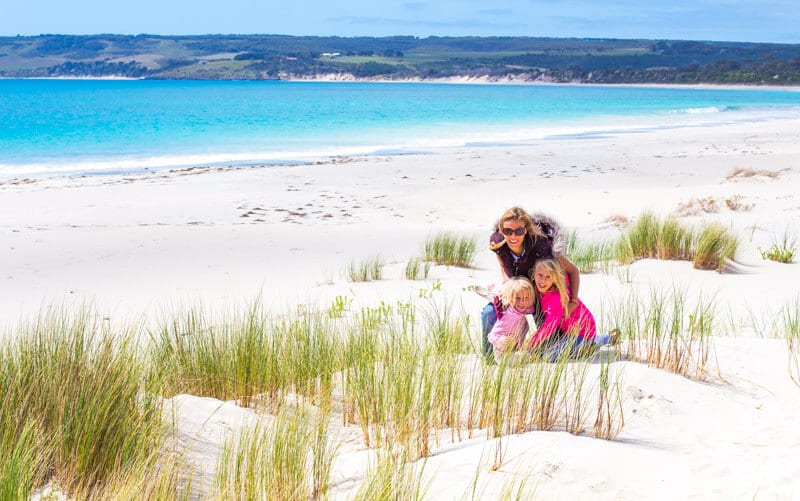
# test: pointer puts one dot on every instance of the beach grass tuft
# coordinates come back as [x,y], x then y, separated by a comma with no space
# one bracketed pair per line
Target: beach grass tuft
[782,249]
[447,331]
[639,240]
[269,461]
[417,269]
[778,254]
[790,326]
[587,256]
[736,203]
[610,418]
[697,206]
[235,359]
[715,245]
[393,477]
[339,306]
[650,237]
[23,467]
[674,241]
[450,249]
[709,248]
[366,270]
[744,173]
[83,404]
[664,332]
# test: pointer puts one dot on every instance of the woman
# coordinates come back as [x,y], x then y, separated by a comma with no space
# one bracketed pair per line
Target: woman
[519,240]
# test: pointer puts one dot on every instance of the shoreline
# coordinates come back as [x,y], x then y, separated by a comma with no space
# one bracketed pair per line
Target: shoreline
[466,80]
[613,126]
[487,80]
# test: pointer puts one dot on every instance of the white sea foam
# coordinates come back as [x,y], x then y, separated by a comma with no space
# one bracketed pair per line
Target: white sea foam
[412,141]
[706,110]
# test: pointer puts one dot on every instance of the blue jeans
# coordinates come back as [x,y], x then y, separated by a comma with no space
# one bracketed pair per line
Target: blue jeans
[557,347]
[571,344]
[488,319]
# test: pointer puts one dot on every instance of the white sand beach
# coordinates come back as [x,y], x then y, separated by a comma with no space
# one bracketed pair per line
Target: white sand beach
[136,247]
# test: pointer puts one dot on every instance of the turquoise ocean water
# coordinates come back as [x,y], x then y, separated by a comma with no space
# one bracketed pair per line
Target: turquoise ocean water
[57,127]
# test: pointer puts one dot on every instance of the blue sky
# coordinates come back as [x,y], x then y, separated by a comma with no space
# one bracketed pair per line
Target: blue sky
[725,20]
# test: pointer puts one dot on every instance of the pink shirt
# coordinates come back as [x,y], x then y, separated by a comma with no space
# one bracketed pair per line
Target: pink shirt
[511,324]
[580,323]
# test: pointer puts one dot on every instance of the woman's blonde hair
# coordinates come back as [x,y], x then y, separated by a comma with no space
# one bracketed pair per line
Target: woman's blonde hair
[553,266]
[514,285]
[516,214]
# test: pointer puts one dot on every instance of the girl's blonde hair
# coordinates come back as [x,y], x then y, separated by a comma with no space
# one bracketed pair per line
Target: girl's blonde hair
[514,285]
[553,266]
[516,214]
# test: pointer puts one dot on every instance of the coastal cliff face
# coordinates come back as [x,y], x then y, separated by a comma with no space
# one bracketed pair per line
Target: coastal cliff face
[468,59]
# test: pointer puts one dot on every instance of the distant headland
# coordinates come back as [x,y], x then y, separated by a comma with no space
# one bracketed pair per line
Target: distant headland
[492,59]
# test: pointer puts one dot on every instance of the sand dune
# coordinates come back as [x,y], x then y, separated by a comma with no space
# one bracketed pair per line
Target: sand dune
[135,246]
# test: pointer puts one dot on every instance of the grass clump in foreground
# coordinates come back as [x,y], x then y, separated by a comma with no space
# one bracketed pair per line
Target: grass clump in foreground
[665,333]
[270,461]
[450,249]
[90,404]
[400,381]
[22,465]
[254,358]
[81,403]
[392,477]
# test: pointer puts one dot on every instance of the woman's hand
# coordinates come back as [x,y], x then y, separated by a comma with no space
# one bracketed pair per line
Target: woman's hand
[571,307]
[574,277]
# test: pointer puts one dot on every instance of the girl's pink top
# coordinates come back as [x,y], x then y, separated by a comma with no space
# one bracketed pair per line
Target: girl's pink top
[513,324]
[580,323]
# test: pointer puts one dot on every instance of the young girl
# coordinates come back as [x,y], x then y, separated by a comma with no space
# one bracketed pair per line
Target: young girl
[576,330]
[509,331]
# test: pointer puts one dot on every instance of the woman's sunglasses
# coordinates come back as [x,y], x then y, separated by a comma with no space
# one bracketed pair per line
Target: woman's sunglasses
[518,232]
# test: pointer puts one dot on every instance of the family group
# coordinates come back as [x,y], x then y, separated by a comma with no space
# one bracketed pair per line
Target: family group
[538,282]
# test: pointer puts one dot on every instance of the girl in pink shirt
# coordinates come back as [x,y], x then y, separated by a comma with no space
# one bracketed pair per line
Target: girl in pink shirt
[509,331]
[558,330]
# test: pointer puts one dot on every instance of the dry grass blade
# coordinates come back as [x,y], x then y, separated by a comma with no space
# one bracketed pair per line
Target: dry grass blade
[745,173]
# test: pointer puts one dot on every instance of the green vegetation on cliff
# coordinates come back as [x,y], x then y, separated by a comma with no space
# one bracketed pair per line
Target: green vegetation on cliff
[279,57]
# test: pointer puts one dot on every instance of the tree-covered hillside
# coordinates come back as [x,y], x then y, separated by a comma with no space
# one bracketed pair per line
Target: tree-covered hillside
[278,57]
